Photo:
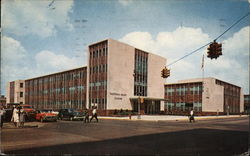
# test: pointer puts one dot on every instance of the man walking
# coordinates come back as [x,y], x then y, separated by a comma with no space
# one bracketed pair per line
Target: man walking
[86,113]
[94,115]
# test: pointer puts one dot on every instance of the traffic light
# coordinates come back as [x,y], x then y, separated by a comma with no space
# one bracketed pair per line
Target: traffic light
[214,50]
[165,73]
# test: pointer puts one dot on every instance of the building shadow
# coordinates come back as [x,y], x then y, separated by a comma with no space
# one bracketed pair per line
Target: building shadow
[188,142]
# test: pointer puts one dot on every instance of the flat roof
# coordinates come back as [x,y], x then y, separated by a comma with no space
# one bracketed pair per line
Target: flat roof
[56,73]
[196,80]
[110,39]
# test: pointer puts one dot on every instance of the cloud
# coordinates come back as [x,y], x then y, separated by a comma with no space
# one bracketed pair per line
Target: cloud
[168,44]
[13,60]
[29,17]
[13,50]
[238,43]
[231,67]
[54,62]
[18,64]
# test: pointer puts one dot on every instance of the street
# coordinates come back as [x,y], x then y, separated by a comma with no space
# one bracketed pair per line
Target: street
[227,136]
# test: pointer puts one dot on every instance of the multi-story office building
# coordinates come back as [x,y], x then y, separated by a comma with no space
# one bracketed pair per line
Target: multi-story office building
[247,103]
[15,92]
[119,73]
[65,89]
[116,76]
[205,96]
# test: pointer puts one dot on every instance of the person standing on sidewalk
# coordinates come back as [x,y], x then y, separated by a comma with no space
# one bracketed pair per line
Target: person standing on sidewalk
[22,117]
[191,118]
[2,113]
[15,117]
[94,115]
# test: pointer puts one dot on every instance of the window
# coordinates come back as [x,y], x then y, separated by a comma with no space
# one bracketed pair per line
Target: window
[21,85]
[21,94]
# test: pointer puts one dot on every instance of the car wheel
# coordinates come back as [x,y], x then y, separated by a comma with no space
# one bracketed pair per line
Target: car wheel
[71,118]
[41,120]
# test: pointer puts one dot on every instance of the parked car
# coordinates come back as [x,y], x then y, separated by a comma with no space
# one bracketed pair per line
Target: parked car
[8,115]
[70,114]
[46,115]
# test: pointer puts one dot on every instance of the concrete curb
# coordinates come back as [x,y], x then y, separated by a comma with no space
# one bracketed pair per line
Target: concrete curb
[172,118]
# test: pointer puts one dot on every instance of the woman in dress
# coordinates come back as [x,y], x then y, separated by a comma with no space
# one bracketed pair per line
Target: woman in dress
[15,117]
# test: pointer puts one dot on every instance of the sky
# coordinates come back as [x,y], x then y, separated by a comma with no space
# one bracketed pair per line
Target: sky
[46,36]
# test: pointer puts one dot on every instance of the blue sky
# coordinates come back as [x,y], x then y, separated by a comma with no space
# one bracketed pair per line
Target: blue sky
[39,39]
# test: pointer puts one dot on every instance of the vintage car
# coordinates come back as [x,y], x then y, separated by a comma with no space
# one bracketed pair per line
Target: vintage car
[70,114]
[46,115]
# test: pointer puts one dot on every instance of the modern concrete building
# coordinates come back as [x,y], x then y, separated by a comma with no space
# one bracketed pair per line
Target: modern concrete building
[65,89]
[206,96]
[119,73]
[116,76]
[15,92]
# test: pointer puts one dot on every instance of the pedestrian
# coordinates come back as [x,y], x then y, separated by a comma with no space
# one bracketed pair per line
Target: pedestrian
[86,113]
[22,117]
[2,113]
[191,118]
[94,115]
[15,117]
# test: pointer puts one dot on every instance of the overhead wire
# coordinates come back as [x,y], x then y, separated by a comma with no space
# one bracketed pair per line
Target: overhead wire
[209,42]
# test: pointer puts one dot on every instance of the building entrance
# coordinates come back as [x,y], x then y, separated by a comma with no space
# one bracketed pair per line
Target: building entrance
[147,107]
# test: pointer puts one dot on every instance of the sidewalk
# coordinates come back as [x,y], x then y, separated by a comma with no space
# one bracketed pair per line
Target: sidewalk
[10,125]
[168,117]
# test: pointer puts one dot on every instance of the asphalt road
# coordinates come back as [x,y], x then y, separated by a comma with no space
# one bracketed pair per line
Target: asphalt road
[112,137]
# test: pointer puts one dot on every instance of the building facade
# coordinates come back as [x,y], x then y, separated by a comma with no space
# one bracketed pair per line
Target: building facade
[65,89]
[118,74]
[247,103]
[206,96]
[15,92]
[2,101]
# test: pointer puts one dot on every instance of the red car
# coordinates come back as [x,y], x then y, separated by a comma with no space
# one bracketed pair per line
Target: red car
[46,115]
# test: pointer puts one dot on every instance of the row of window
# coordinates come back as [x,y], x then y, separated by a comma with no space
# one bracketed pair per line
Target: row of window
[98,68]
[63,77]
[77,104]
[140,80]
[99,52]
[183,89]
[99,102]
[197,106]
